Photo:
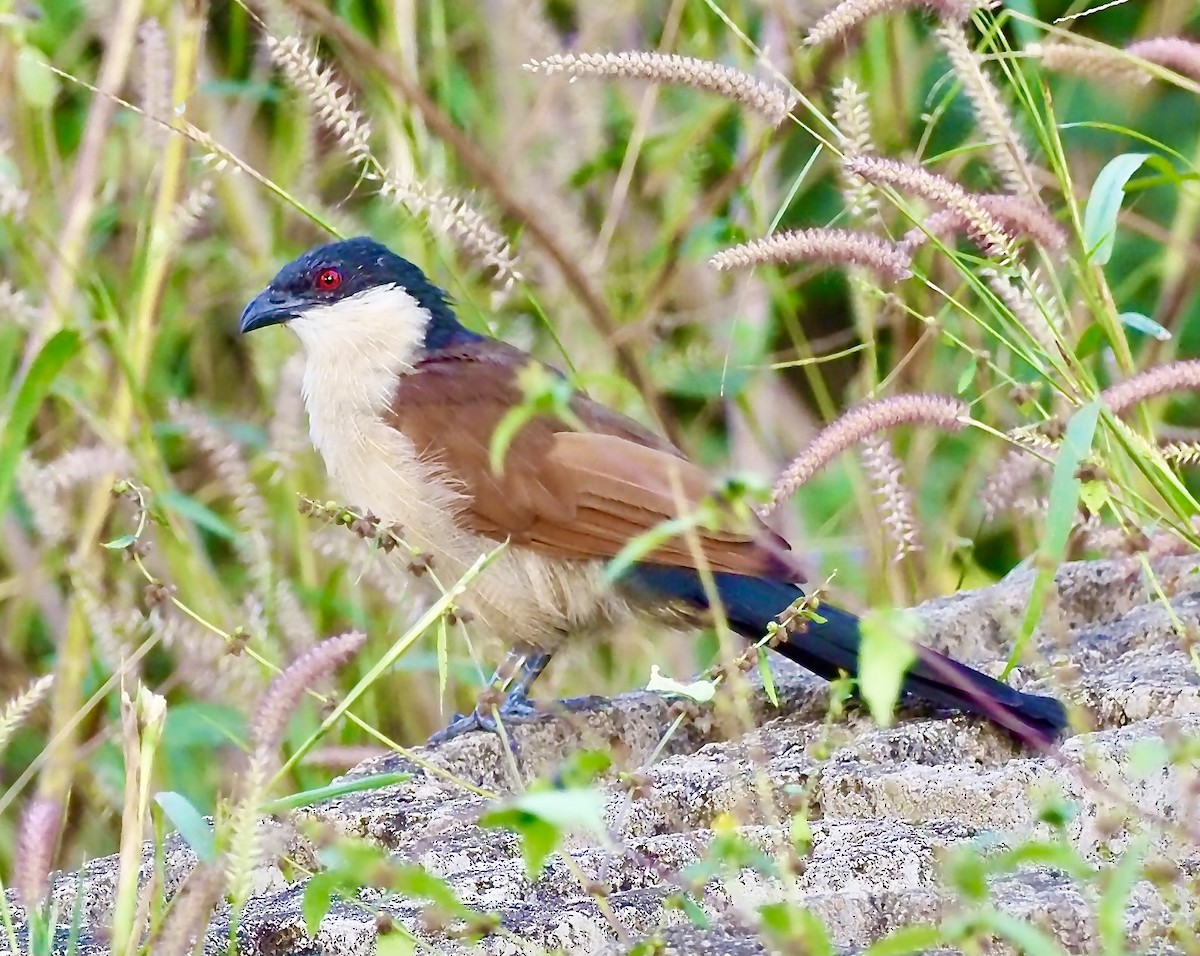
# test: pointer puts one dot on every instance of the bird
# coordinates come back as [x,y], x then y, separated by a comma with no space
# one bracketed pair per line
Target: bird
[404,401]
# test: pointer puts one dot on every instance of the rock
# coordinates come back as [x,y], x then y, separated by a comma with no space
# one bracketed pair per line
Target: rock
[885,806]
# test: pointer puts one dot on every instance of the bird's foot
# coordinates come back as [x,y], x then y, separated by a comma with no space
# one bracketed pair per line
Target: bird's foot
[516,706]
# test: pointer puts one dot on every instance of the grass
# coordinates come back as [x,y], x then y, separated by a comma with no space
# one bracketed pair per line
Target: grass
[159,166]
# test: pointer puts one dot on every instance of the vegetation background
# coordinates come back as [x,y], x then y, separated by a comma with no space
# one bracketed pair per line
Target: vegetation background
[158,165]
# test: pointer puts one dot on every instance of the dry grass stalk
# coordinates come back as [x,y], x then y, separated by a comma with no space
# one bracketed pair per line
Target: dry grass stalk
[143,719]
[287,431]
[45,488]
[113,622]
[232,474]
[852,117]
[858,423]
[37,838]
[1160,380]
[1181,453]
[1019,216]
[333,105]
[13,199]
[15,306]
[335,109]
[190,212]
[851,14]
[1012,485]
[1005,148]
[211,669]
[292,622]
[191,910]
[154,68]
[455,217]
[1094,62]
[266,733]
[983,227]
[20,707]
[362,564]
[1175,53]
[893,496]
[1025,300]
[288,689]
[770,100]
[840,246]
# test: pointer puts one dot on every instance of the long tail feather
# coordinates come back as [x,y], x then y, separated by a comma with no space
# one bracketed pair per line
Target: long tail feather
[831,648]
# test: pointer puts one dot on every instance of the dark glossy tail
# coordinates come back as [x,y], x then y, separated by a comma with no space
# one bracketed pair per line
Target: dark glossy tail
[831,648]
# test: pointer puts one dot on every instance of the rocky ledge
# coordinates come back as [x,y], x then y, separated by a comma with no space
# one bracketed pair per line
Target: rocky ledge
[884,806]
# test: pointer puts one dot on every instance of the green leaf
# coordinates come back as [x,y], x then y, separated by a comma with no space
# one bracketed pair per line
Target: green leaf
[694,913]
[574,809]
[333,790]
[884,657]
[581,768]
[1056,854]
[539,839]
[787,923]
[1057,812]
[768,679]
[1148,757]
[37,83]
[1110,910]
[906,940]
[195,723]
[318,895]
[540,817]
[637,548]
[239,89]
[965,378]
[1144,324]
[190,822]
[1025,937]
[966,872]
[1060,516]
[415,882]
[1091,340]
[1104,204]
[800,833]
[121,543]
[706,383]
[59,349]
[443,657]
[395,943]
[202,516]
[1094,495]
[701,691]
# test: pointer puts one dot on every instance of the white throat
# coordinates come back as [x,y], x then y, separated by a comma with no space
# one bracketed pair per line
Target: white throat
[356,349]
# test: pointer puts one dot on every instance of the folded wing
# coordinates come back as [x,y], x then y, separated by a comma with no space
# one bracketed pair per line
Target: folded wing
[574,494]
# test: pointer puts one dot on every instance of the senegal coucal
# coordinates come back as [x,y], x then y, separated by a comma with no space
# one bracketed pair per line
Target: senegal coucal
[403,401]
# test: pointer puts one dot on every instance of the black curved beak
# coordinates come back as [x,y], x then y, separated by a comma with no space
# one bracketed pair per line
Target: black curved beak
[270,308]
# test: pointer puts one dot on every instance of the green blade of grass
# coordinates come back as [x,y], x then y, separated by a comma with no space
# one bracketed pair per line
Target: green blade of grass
[1104,205]
[50,361]
[1060,518]
[334,790]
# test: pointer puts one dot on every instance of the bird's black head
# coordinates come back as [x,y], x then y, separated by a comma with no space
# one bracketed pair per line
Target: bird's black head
[337,271]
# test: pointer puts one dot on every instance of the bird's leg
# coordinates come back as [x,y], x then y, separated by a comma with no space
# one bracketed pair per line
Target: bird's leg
[515,675]
[516,702]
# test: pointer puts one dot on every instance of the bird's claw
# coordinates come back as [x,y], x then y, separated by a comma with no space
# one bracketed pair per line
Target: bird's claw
[518,706]
[515,707]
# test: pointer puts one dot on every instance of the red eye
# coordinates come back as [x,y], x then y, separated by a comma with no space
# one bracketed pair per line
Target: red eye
[328,280]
